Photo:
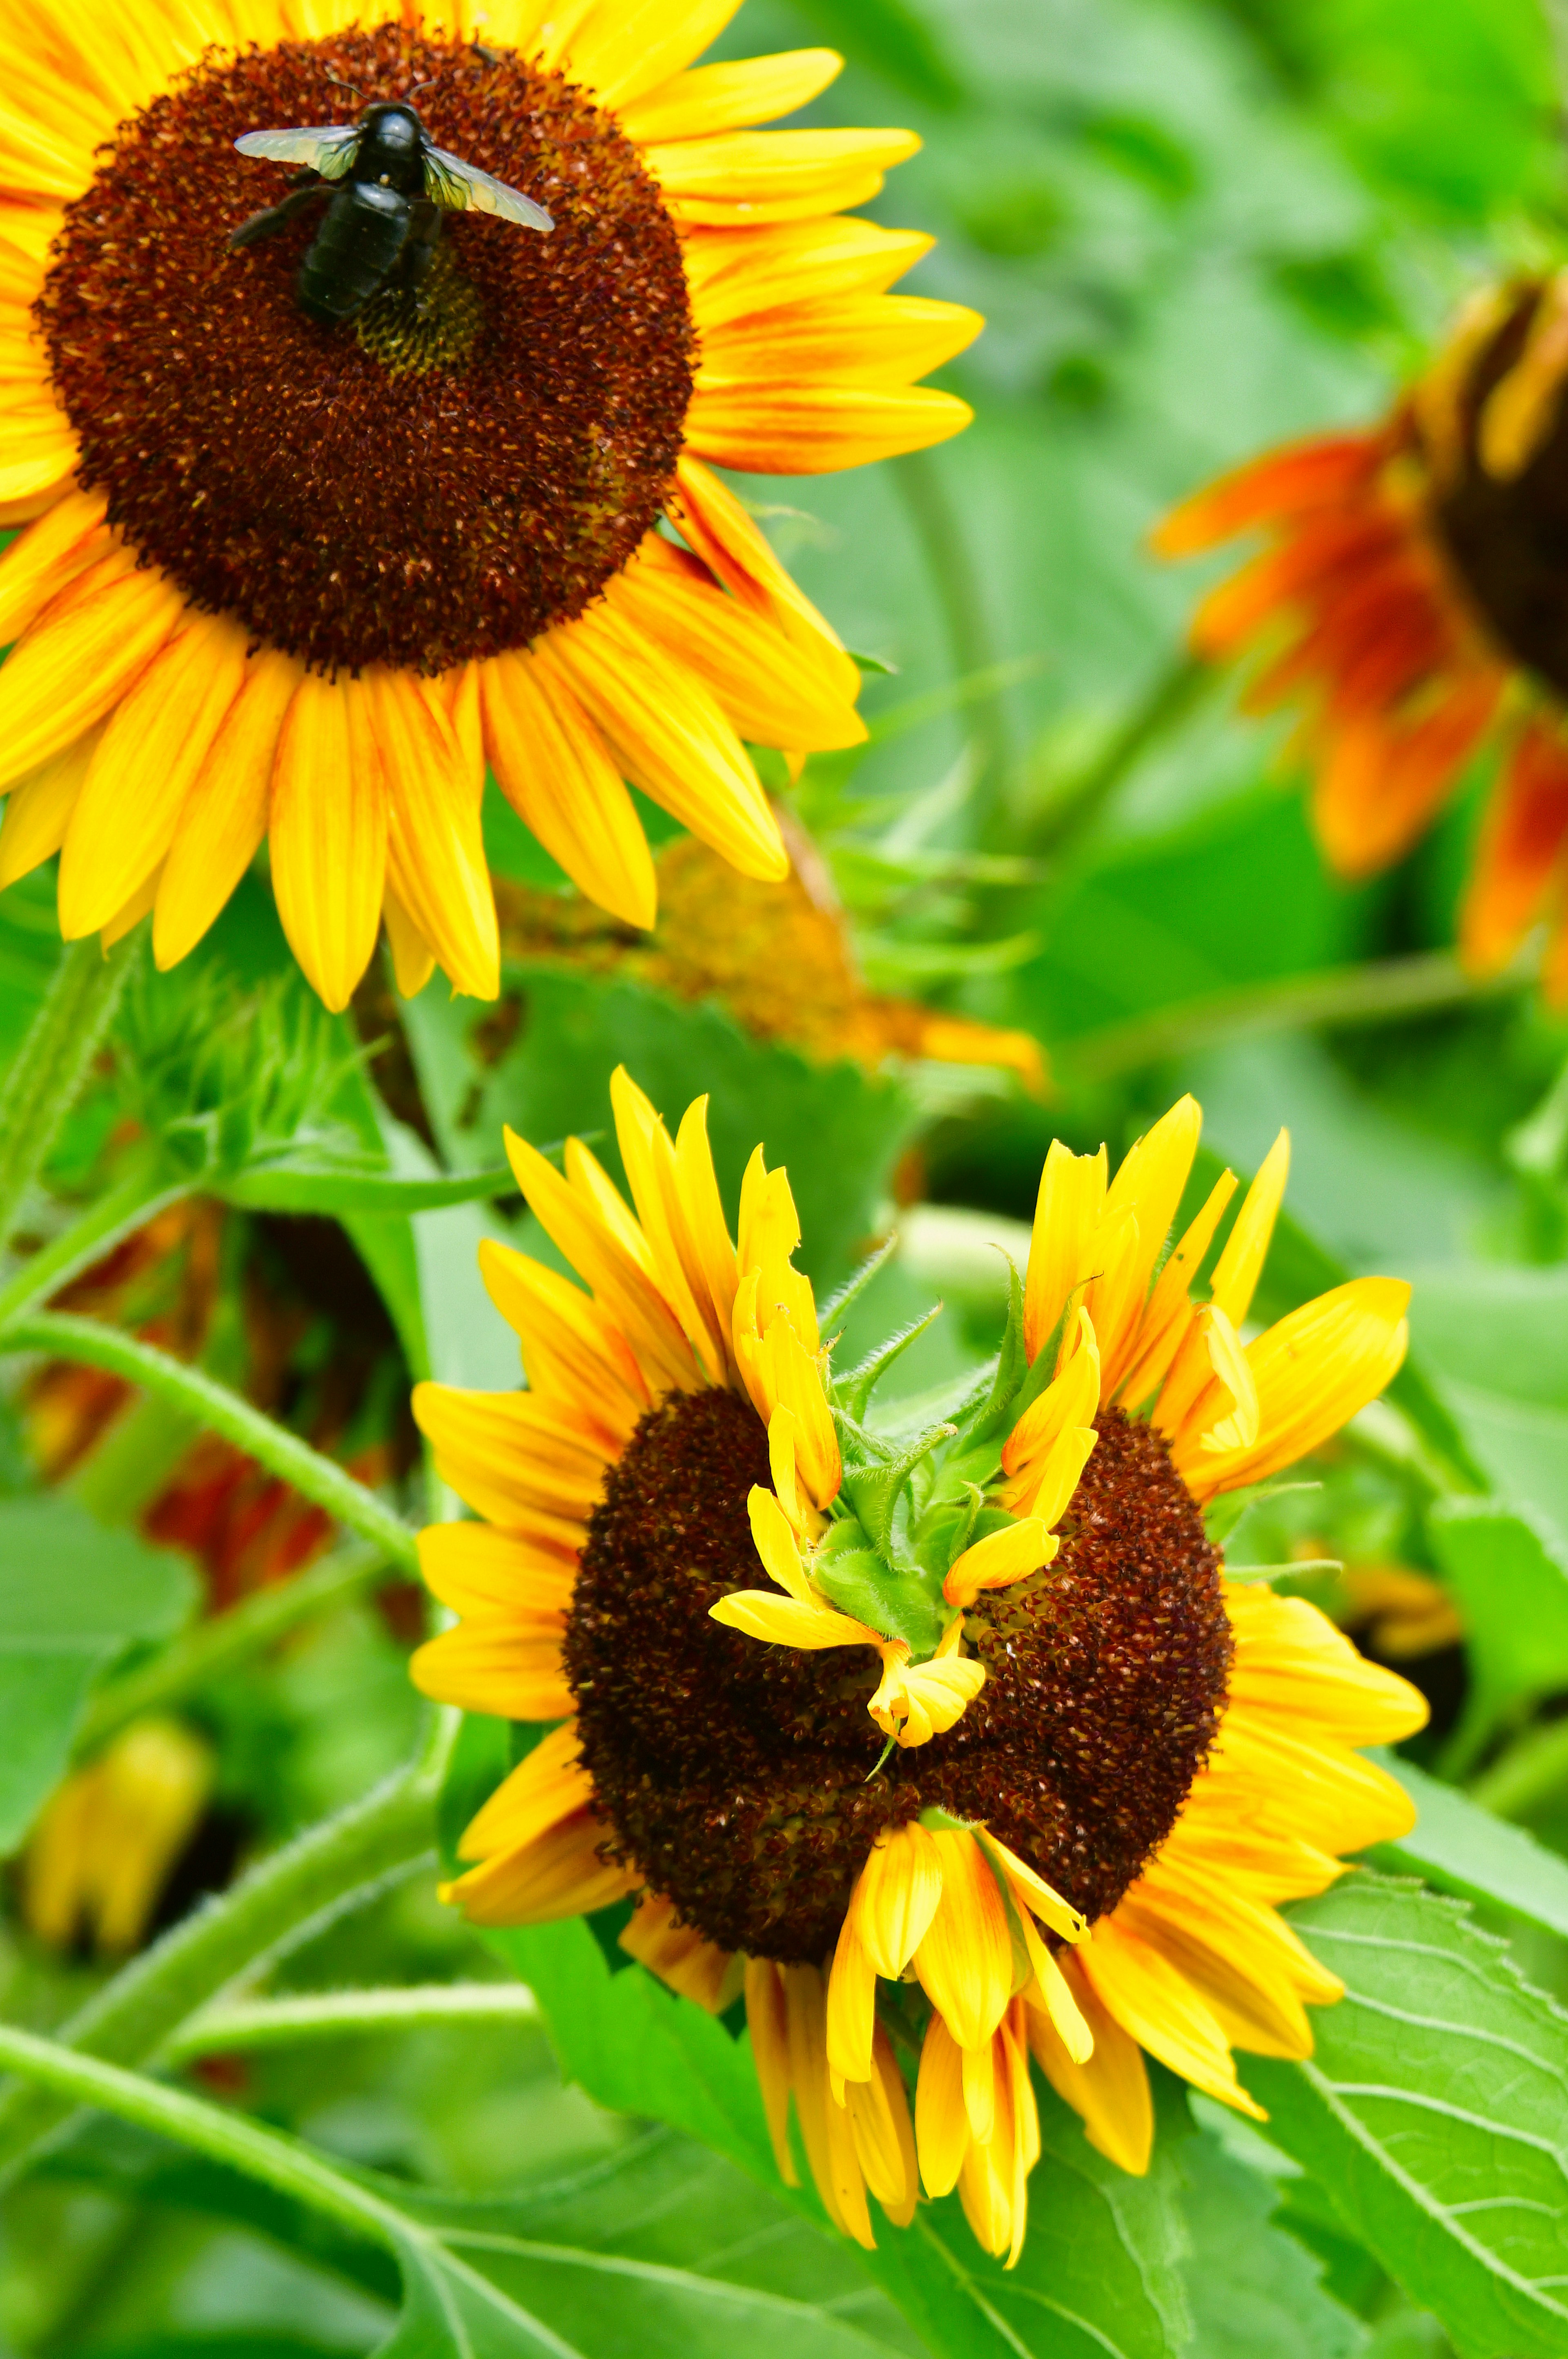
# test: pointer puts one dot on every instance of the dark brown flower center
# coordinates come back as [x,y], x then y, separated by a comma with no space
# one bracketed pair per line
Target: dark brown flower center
[1508,540]
[431,483]
[738,1776]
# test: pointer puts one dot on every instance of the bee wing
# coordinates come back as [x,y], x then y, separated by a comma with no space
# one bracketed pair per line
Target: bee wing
[325,148]
[463,188]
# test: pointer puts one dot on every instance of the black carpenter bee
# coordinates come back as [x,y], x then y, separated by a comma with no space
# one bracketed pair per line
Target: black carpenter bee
[386,186]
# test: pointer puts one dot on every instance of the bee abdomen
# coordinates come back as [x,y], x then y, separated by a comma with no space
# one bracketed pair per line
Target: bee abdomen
[363,234]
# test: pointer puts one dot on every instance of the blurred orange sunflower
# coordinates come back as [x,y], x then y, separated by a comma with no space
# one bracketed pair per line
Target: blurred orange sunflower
[297,583]
[1413,595]
[948,1749]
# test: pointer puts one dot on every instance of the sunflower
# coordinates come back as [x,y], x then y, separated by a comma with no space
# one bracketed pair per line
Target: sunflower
[1414,596]
[304,584]
[948,1749]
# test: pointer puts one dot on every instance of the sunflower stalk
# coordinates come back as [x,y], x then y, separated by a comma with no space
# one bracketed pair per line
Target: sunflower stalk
[52,1064]
[335,1866]
[226,1413]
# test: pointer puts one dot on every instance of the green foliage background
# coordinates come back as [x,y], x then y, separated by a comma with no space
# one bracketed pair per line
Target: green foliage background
[1195,226]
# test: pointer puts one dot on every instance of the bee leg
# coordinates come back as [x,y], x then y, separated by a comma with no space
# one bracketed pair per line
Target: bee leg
[276,217]
[419,253]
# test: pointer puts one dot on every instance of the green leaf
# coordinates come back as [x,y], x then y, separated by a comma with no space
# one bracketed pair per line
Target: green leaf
[839,1132]
[1497,1338]
[1100,2272]
[1433,2111]
[72,1596]
[1464,1850]
[1253,2288]
[900,42]
[1509,1581]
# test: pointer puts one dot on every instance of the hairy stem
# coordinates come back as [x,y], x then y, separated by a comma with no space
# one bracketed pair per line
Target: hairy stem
[214,1649]
[64,2079]
[128,1206]
[51,1064]
[939,528]
[1169,698]
[247,2026]
[221,1411]
[1375,994]
[333,1867]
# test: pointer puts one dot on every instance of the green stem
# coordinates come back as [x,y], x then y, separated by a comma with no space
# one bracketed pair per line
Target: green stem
[51,1064]
[945,543]
[1533,1770]
[247,2027]
[128,1206]
[224,1412]
[64,2079]
[283,1901]
[1169,698]
[214,1648]
[1374,994]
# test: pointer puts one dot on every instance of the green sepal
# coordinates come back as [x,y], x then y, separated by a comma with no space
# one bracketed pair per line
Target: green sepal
[861,1583]
[855,1388]
[873,1490]
[855,1284]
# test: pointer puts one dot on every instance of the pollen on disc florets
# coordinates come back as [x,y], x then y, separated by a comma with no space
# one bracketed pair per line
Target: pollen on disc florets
[1506,536]
[344,510]
[738,1776]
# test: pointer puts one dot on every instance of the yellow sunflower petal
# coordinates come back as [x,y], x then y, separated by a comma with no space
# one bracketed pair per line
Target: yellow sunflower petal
[965,1959]
[413,960]
[1110,2088]
[654,1176]
[767,2022]
[788,1621]
[70,536]
[711,520]
[775,1544]
[224,818]
[896,1896]
[570,1348]
[998,1560]
[778,427]
[148,759]
[507,1453]
[772,694]
[555,769]
[328,836]
[606,1256]
[1158,2006]
[851,2005]
[480,1569]
[671,738]
[1066,1213]
[733,272]
[691,1965]
[1294,1665]
[1313,1371]
[1169,1315]
[517,1673]
[627,47]
[773,176]
[39,809]
[861,339]
[86,649]
[884,2134]
[560,1875]
[436,860]
[1239,1266]
[941,2118]
[729,97]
